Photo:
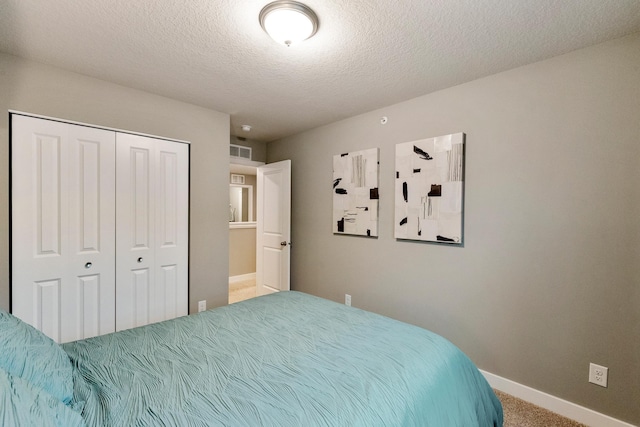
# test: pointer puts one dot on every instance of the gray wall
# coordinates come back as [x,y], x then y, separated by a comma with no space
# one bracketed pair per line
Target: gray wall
[44,90]
[548,280]
[258,149]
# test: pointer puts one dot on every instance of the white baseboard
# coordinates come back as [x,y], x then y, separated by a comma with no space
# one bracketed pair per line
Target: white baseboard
[242,278]
[554,404]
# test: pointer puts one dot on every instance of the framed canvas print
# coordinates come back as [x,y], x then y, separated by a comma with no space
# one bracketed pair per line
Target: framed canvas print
[355,193]
[429,189]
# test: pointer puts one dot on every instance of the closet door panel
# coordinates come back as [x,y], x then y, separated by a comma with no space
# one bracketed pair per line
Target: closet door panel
[140,197]
[88,203]
[39,245]
[172,228]
[48,194]
[152,230]
[91,265]
[38,202]
[169,291]
[89,315]
[58,225]
[46,313]
[135,186]
[141,296]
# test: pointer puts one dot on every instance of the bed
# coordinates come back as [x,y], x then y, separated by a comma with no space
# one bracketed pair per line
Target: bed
[286,359]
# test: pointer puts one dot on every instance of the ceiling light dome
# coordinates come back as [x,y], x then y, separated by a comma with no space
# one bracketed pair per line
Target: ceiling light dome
[288,22]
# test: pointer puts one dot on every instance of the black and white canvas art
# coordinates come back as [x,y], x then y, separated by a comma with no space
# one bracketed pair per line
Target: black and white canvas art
[355,193]
[429,189]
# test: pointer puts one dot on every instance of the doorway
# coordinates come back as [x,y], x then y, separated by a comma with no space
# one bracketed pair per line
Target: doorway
[260,250]
[242,232]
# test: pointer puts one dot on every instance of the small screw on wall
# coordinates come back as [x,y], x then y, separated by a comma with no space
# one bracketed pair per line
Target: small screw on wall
[384,120]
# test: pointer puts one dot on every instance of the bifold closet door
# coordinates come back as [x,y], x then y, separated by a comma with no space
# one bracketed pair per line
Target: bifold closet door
[152,188]
[63,214]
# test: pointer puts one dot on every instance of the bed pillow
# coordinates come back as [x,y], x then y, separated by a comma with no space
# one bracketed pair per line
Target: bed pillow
[23,404]
[29,354]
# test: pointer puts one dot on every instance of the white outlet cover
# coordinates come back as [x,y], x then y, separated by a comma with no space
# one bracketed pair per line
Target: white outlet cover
[598,374]
[347,299]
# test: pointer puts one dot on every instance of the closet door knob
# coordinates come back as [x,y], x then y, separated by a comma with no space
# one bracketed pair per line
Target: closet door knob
[283,243]
[88,265]
[140,259]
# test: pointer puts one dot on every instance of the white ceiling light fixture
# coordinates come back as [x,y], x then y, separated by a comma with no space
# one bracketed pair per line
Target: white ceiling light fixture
[288,22]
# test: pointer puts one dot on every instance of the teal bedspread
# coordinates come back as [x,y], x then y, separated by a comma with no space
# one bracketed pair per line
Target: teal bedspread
[287,359]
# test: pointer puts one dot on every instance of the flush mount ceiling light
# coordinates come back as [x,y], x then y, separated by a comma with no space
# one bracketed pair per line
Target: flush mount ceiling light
[288,22]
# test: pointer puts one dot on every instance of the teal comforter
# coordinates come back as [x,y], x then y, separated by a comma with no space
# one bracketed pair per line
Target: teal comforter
[287,359]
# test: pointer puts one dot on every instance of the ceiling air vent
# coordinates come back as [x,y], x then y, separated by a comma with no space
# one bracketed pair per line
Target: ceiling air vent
[240,151]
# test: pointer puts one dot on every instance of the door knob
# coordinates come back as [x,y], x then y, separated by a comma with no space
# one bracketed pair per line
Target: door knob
[88,265]
[283,243]
[140,259]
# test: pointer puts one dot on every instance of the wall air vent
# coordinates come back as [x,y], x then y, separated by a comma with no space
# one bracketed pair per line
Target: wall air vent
[240,151]
[237,179]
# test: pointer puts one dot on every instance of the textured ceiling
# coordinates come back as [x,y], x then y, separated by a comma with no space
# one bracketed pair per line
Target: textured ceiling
[367,53]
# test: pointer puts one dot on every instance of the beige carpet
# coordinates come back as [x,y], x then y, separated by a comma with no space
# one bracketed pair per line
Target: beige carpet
[518,413]
[240,291]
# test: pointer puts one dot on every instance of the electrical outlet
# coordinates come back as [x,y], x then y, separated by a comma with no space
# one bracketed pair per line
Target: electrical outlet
[347,299]
[202,305]
[598,374]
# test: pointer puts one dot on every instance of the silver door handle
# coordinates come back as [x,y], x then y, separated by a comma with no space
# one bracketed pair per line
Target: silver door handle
[88,265]
[140,259]
[285,243]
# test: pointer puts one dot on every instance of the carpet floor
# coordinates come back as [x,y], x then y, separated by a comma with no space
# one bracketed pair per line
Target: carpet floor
[240,291]
[517,412]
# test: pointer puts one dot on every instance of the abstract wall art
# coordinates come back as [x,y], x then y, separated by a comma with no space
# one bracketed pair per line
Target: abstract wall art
[355,193]
[429,189]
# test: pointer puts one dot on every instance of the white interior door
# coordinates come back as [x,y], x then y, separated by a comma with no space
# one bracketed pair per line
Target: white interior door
[273,227]
[63,212]
[152,230]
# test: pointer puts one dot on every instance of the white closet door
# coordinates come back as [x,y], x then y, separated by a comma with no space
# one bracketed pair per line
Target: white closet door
[62,221]
[152,230]
[172,231]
